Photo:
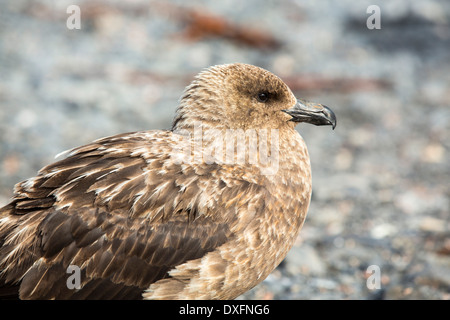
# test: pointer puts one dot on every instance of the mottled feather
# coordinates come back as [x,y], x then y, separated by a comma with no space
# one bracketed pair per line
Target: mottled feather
[140,223]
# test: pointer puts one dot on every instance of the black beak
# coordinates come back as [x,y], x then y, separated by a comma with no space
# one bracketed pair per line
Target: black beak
[317,114]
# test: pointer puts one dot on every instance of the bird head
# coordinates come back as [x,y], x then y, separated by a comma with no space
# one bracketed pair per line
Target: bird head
[242,96]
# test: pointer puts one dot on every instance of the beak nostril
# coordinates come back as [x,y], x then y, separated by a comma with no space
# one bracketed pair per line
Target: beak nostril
[314,113]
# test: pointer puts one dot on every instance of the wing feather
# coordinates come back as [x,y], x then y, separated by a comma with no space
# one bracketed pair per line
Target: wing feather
[120,210]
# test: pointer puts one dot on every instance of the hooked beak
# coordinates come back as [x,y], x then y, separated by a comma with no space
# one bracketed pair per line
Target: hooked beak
[310,112]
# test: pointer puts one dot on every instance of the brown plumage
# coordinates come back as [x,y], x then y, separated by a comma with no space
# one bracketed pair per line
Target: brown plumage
[169,214]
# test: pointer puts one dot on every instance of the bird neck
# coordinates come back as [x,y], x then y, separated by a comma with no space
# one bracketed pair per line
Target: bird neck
[267,149]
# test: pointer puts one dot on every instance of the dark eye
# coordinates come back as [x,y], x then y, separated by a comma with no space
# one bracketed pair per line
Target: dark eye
[263,96]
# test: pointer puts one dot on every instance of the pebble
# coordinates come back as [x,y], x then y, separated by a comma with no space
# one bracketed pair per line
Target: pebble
[305,260]
[380,180]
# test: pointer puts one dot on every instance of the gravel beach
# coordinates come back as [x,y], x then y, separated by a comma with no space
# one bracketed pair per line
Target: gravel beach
[378,225]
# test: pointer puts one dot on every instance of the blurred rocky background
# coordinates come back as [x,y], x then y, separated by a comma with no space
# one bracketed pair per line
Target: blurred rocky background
[381,179]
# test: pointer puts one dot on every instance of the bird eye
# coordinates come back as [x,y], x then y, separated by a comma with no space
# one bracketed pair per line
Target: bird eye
[263,96]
